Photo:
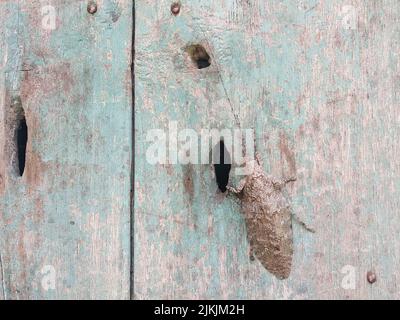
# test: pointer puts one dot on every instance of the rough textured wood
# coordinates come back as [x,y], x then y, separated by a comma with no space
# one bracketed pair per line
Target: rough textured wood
[71,208]
[319,82]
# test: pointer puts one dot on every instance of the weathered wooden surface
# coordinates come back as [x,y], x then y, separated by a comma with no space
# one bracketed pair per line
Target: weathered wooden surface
[319,82]
[69,215]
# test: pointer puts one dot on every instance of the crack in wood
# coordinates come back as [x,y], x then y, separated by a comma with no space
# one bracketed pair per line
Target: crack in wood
[3,283]
[132,173]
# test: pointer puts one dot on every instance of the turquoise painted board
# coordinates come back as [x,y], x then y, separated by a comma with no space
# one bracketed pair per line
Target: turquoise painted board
[65,224]
[319,83]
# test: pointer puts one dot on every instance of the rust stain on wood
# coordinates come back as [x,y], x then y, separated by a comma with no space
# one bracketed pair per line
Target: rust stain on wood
[188,181]
[35,170]
[57,79]
[287,154]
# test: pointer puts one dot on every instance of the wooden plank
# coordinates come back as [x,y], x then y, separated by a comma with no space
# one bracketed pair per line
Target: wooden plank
[318,80]
[65,224]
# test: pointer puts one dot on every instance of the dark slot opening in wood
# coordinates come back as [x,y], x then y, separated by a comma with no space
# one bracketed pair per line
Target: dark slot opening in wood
[222,166]
[22,140]
[199,56]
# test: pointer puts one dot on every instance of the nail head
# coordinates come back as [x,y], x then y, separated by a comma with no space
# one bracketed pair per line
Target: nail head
[175,8]
[92,7]
[371,277]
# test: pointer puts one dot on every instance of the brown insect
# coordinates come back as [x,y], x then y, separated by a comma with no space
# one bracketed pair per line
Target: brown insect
[268,218]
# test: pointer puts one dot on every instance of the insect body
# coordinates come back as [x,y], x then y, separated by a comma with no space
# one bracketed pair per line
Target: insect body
[268,220]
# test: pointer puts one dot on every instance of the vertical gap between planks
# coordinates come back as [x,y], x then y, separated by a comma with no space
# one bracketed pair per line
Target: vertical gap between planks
[3,280]
[132,212]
